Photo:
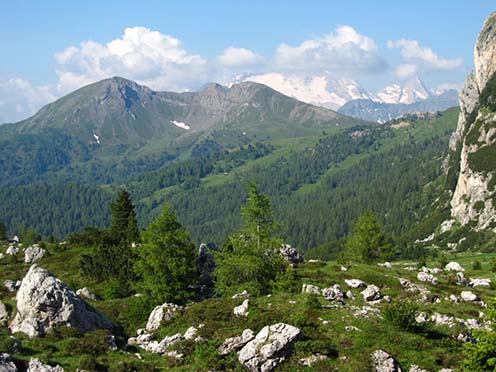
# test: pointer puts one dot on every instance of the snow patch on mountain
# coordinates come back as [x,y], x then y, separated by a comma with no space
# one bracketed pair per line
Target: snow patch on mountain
[180,124]
[97,138]
[413,91]
[320,90]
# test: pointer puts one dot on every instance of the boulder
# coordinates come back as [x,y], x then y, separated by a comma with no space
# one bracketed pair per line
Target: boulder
[206,265]
[416,368]
[469,296]
[333,293]
[6,364]
[162,346]
[425,277]
[478,282]
[355,283]
[11,285]
[243,294]
[33,253]
[237,342]
[454,298]
[87,294]
[44,302]
[460,279]
[383,362]
[371,293]
[269,347]
[35,365]
[242,310]
[161,313]
[12,250]
[191,333]
[4,315]
[290,254]
[387,265]
[310,289]
[310,360]
[454,266]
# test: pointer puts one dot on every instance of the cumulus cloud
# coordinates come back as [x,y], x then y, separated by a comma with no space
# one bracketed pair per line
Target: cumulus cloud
[19,99]
[239,57]
[411,50]
[149,57]
[344,50]
[406,70]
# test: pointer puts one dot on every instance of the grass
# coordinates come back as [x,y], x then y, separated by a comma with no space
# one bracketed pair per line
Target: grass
[431,349]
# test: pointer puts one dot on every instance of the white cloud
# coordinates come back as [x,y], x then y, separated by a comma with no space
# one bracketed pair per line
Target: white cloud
[239,57]
[406,70]
[19,99]
[345,50]
[411,50]
[149,57]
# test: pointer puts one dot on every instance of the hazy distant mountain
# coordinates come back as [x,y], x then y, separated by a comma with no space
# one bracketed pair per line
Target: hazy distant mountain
[413,91]
[321,90]
[367,109]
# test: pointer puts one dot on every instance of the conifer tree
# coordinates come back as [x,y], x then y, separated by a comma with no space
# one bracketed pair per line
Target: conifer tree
[123,224]
[167,260]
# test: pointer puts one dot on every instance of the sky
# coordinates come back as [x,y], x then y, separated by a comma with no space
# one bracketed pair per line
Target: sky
[50,48]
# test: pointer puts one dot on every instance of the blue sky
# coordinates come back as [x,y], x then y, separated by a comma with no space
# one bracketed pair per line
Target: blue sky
[183,44]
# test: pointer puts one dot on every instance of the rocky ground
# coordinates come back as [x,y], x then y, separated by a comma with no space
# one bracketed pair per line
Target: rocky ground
[328,317]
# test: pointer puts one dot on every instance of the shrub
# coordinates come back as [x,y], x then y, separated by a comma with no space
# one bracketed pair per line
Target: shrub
[402,315]
[493,264]
[477,265]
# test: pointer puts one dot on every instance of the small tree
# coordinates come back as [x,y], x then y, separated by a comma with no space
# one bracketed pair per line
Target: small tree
[166,265]
[249,260]
[123,224]
[368,242]
[481,356]
[3,231]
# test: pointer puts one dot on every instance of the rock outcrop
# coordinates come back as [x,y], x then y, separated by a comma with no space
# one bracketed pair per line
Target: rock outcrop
[6,364]
[161,313]
[237,342]
[383,362]
[44,302]
[4,315]
[206,265]
[87,294]
[36,365]
[33,253]
[290,254]
[474,141]
[269,348]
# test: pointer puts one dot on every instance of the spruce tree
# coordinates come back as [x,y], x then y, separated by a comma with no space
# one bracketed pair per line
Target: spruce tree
[3,231]
[123,224]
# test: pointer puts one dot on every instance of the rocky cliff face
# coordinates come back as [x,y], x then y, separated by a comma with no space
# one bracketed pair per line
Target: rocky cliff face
[474,141]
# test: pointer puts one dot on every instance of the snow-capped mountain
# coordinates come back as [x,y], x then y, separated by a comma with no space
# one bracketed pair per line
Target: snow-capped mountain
[413,91]
[324,90]
[321,90]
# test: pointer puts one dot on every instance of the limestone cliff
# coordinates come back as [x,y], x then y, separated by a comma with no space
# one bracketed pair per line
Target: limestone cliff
[474,141]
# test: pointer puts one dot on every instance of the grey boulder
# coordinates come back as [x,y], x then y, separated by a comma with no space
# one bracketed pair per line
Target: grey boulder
[44,302]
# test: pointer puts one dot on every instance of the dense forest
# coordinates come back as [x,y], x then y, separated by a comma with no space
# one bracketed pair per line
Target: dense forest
[318,189]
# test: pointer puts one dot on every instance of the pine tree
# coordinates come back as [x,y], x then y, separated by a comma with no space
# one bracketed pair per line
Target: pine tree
[368,242]
[3,231]
[123,224]
[167,261]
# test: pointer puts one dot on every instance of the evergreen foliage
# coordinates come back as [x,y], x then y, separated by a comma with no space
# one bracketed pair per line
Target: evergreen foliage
[249,259]
[368,242]
[481,355]
[3,231]
[166,262]
[123,223]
